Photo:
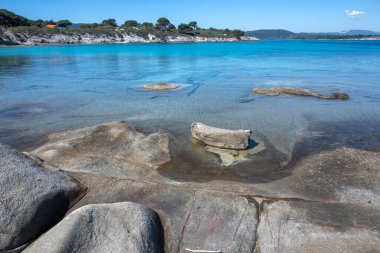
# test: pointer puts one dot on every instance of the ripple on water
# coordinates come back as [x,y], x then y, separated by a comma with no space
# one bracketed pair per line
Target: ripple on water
[27,110]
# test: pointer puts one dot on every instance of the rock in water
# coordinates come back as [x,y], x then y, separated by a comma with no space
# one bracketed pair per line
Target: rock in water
[161,86]
[221,138]
[32,198]
[118,227]
[110,149]
[299,92]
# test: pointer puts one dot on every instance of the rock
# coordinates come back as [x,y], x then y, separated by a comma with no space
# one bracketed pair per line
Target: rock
[191,218]
[314,227]
[161,86]
[110,149]
[299,92]
[221,138]
[229,157]
[220,222]
[118,227]
[32,198]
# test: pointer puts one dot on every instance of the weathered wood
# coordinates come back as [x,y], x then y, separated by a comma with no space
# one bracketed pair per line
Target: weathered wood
[221,138]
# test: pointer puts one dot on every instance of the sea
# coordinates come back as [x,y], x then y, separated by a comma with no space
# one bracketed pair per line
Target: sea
[46,89]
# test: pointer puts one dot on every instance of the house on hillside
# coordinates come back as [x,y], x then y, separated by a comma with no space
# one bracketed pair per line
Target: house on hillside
[51,26]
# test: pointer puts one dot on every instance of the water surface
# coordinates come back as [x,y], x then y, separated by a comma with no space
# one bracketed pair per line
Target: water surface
[46,89]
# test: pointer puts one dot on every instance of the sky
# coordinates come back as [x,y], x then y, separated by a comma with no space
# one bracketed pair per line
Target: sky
[293,15]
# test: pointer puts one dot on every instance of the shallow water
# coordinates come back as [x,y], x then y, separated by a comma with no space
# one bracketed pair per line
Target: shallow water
[53,88]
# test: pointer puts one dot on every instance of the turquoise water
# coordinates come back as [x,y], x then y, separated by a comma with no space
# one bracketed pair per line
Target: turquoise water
[52,88]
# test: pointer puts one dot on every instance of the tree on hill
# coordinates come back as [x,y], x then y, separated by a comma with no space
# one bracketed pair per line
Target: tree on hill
[8,19]
[39,23]
[184,28]
[193,24]
[64,23]
[51,22]
[147,24]
[237,33]
[109,22]
[131,23]
[163,23]
[171,28]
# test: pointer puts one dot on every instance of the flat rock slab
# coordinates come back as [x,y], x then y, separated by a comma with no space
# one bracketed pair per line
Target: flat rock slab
[32,198]
[118,227]
[192,219]
[110,149]
[298,226]
[220,222]
[343,175]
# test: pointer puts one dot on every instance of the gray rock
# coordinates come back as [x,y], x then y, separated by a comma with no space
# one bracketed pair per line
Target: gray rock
[220,222]
[32,198]
[299,92]
[118,227]
[314,227]
[221,138]
[191,219]
[110,149]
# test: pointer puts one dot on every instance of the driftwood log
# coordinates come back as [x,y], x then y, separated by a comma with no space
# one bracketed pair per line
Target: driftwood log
[221,138]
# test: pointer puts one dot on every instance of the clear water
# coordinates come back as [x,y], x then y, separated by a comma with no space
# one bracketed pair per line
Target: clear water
[53,88]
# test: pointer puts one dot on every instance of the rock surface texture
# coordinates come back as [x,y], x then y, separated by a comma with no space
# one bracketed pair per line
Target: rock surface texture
[221,138]
[32,198]
[118,227]
[299,226]
[328,202]
[110,149]
[299,92]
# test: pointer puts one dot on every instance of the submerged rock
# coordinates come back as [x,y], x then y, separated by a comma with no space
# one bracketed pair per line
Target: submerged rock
[161,86]
[229,157]
[32,198]
[109,149]
[221,138]
[118,227]
[299,92]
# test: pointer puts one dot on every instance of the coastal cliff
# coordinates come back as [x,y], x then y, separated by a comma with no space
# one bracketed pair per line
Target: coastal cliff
[30,37]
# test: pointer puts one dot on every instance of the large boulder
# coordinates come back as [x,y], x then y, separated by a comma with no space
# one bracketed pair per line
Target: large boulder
[118,227]
[111,149]
[32,198]
[315,227]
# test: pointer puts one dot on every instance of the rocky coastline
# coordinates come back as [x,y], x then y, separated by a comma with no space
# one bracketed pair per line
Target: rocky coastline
[105,179]
[115,37]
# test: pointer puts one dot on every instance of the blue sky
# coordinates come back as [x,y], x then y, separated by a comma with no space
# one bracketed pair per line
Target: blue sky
[294,15]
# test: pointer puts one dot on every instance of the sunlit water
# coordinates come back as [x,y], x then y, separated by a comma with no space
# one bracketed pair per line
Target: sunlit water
[46,89]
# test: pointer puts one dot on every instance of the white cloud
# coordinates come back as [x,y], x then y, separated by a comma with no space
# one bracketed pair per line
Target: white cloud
[354,14]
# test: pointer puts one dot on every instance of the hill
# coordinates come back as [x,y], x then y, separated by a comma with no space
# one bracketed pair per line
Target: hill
[280,34]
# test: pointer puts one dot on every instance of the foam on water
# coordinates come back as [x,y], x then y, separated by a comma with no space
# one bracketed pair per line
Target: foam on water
[81,85]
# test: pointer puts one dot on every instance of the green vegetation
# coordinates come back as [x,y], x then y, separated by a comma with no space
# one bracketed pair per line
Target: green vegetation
[10,19]
[162,28]
[109,22]
[64,23]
